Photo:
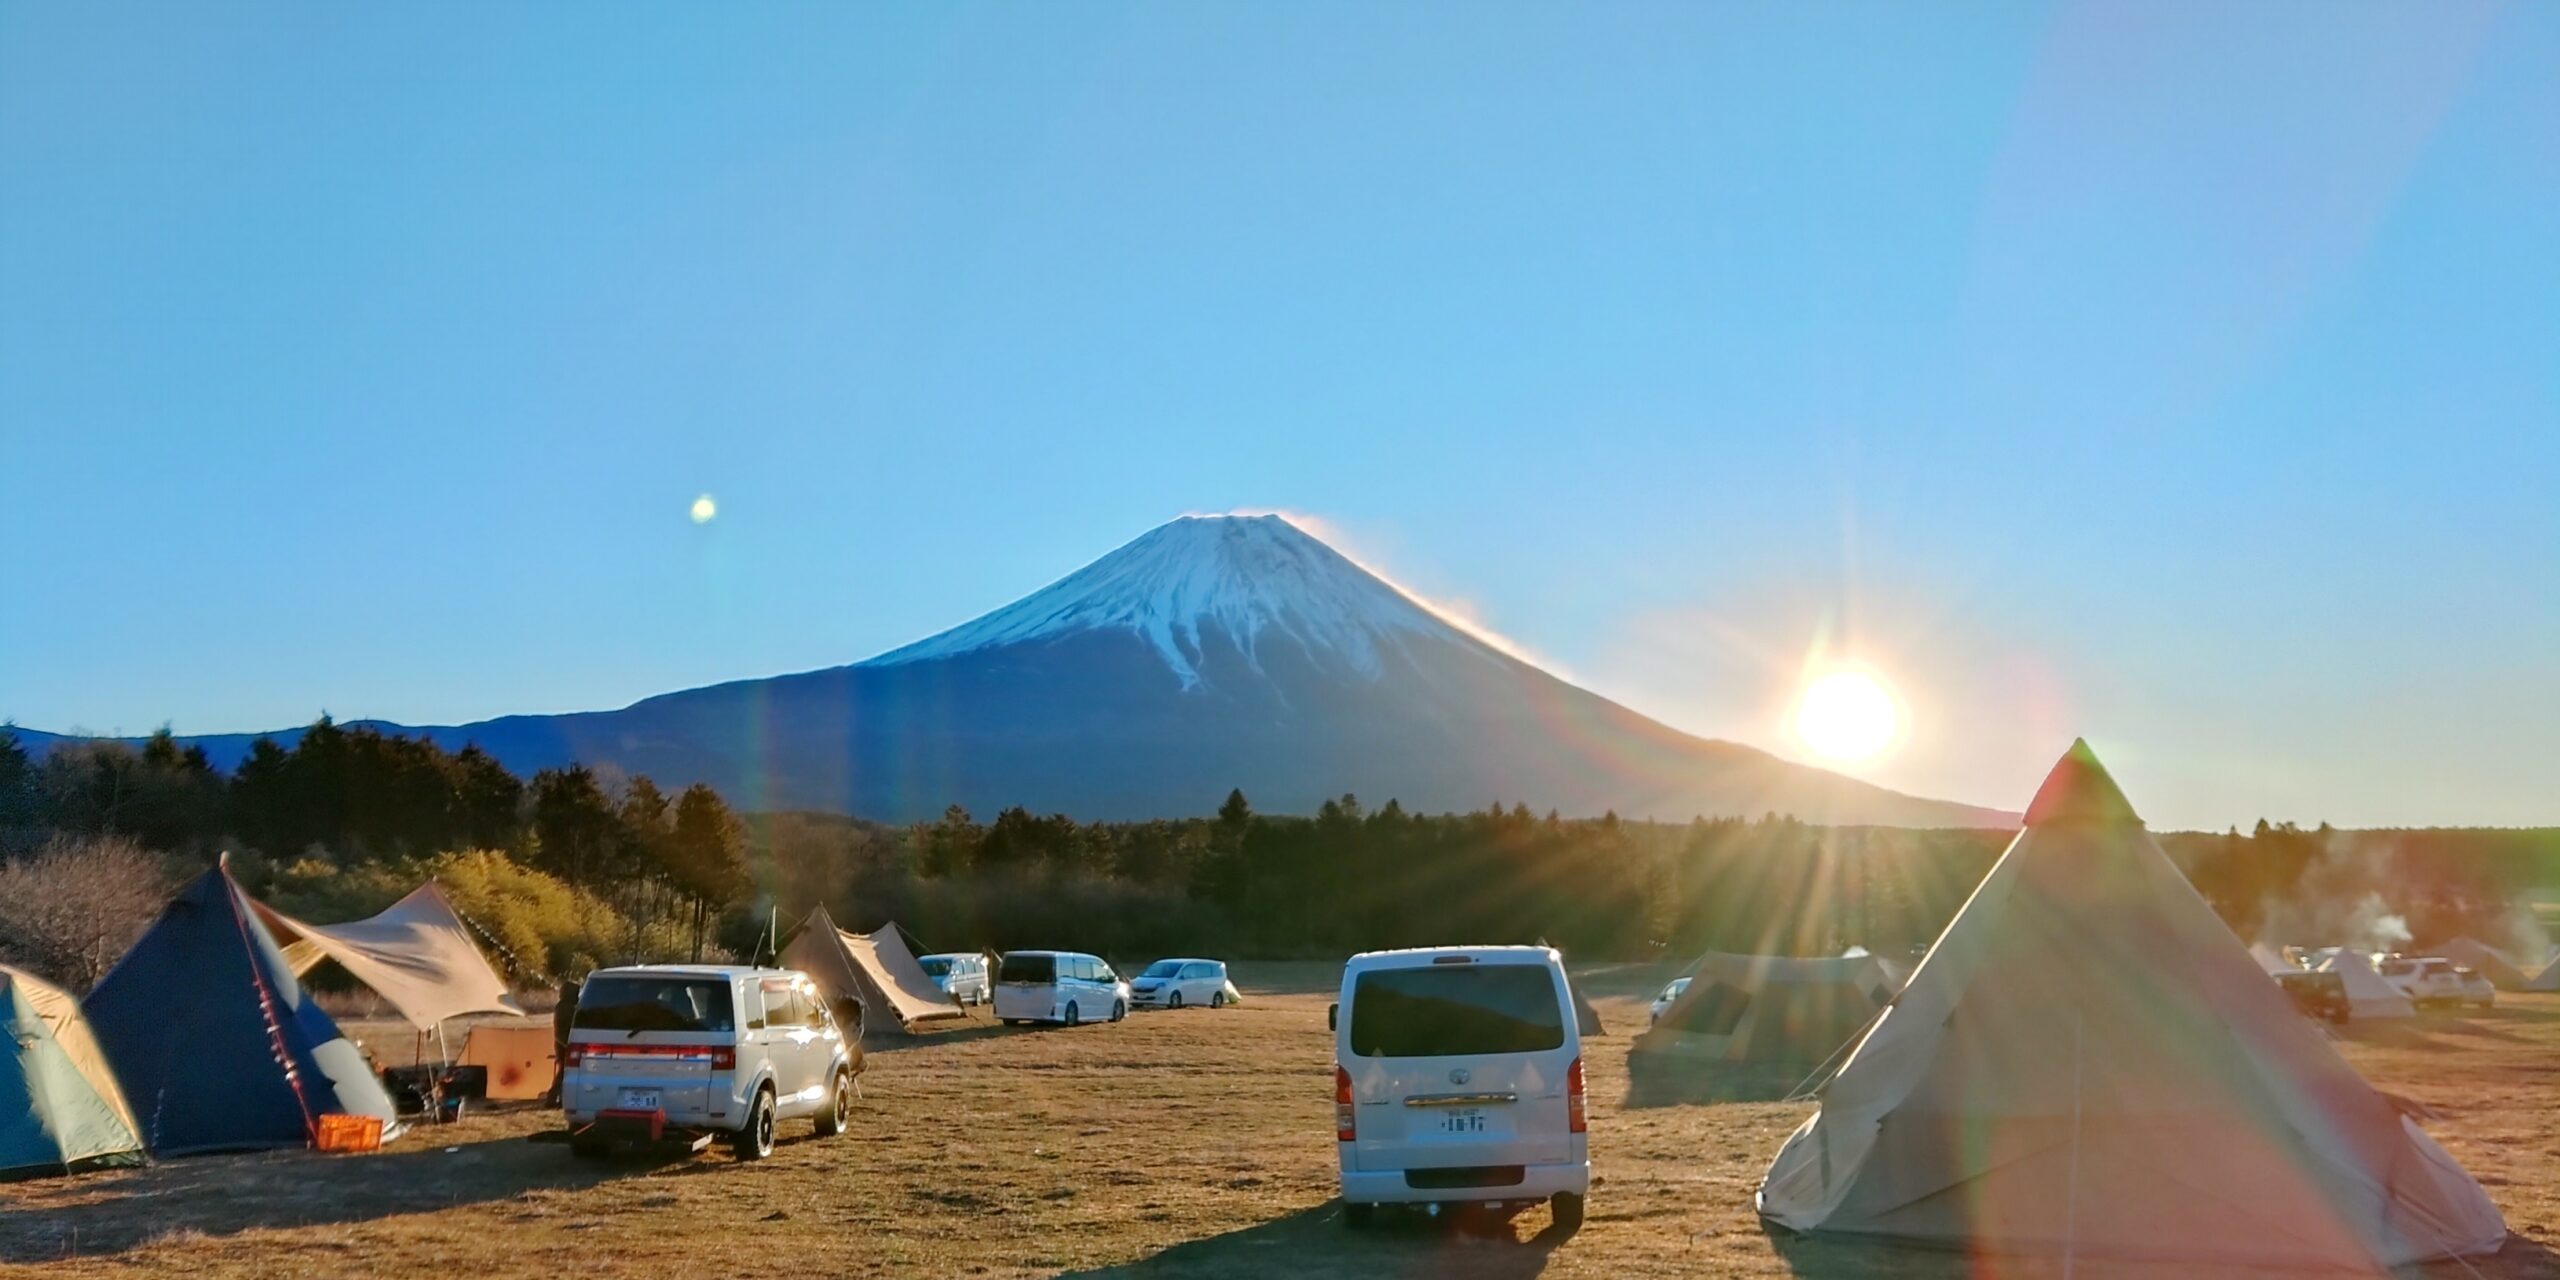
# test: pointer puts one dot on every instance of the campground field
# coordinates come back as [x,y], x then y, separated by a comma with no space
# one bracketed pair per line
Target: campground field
[1189,1143]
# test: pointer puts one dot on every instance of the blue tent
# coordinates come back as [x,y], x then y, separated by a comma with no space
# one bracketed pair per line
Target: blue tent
[218,1048]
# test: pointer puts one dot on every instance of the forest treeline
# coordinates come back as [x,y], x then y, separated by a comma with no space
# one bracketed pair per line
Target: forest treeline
[577,866]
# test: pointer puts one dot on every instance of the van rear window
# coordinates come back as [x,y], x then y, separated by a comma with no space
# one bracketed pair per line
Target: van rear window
[654,1004]
[1018,968]
[935,966]
[1456,1009]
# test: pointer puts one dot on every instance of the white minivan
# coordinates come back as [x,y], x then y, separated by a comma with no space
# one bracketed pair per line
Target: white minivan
[660,1053]
[1068,987]
[1458,1080]
[1171,984]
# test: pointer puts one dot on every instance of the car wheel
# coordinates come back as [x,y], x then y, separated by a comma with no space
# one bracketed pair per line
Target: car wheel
[1359,1216]
[839,1113]
[1217,999]
[1073,1018]
[1173,1001]
[755,1141]
[1119,1010]
[1568,1212]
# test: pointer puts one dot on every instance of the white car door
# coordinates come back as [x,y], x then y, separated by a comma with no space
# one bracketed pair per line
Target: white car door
[1200,983]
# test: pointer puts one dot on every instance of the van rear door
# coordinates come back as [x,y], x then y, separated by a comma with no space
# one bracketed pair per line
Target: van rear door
[1459,1064]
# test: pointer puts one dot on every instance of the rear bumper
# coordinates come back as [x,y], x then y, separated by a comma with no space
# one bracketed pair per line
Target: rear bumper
[1537,1182]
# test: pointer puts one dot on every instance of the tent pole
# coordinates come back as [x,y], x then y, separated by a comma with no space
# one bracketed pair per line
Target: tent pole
[2071,1196]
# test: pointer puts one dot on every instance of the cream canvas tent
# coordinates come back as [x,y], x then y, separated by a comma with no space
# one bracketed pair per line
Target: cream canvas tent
[2370,996]
[877,968]
[61,1110]
[2485,960]
[2089,1064]
[417,955]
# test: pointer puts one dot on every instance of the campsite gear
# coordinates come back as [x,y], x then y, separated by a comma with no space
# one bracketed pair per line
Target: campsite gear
[693,1050]
[877,968]
[2088,1063]
[1757,1026]
[517,1062]
[352,1135]
[416,954]
[2548,979]
[1458,1080]
[60,1108]
[218,1048]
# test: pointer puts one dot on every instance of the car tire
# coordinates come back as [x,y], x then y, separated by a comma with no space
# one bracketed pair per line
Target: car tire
[1173,1001]
[755,1141]
[1217,999]
[1119,1010]
[1075,1017]
[839,1113]
[1567,1208]
[1358,1217]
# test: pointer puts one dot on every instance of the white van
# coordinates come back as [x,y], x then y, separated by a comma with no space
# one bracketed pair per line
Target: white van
[1068,987]
[659,1053]
[1171,984]
[1458,1080]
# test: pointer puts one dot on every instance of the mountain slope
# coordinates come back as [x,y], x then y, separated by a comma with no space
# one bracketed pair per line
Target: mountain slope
[1209,653]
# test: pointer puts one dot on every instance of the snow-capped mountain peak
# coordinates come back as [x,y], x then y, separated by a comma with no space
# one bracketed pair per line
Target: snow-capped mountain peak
[1256,580]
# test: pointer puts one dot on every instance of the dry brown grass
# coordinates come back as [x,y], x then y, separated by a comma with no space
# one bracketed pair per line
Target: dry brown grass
[1177,1144]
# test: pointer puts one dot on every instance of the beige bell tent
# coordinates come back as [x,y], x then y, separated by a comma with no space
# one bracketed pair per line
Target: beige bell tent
[417,955]
[2485,960]
[518,1060]
[2370,996]
[1763,1023]
[2547,980]
[877,968]
[2089,1065]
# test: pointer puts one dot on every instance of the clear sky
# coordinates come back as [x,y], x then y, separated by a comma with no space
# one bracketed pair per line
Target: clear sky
[2186,376]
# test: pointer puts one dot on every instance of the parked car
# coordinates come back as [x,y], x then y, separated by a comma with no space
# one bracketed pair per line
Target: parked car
[1171,984]
[2426,980]
[2476,988]
[962,975]
[1068,987]
[1670,992]
[1458,1080]
[686,1053]
[2317,995]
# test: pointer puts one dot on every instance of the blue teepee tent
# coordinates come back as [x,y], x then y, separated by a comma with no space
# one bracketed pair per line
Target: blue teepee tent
[219,1049]
[60,1110]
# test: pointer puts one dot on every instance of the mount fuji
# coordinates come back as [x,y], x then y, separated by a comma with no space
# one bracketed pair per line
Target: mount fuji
[1213,652]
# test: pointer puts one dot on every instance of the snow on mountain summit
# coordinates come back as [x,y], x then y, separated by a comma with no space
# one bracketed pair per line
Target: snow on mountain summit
[1255,579]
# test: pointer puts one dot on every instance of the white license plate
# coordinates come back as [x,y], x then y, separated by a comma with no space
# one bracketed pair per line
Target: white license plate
[1462,1120]
[639,1099]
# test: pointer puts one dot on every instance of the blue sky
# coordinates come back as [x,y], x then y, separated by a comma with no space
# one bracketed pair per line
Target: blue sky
[2186,376]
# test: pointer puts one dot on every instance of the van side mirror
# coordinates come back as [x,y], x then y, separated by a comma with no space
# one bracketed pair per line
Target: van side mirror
[1333,1017]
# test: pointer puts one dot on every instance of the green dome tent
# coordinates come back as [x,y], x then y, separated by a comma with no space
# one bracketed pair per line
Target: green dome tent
[60,1109]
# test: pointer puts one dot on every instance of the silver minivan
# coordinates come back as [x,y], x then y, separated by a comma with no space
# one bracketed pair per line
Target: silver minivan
[962,975]
[1066,987]
[1458,1080]
[682,1053]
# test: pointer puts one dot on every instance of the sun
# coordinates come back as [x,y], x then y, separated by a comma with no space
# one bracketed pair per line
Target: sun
[704,509]
[1848,715]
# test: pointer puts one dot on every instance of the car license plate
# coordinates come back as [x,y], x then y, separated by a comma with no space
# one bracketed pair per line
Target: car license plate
[1462,1120]
[640,1100]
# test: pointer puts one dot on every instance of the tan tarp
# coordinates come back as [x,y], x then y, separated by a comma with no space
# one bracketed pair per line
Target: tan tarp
[2485,960]
[877,969]
[2370,996]
[518,1058]
[2089,1064]
[417,955]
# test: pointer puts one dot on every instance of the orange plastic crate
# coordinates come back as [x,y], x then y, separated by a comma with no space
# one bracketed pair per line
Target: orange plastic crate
[349,1133]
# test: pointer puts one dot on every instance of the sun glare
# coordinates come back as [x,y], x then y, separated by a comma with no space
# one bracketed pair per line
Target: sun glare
[704,509]
[1847,715]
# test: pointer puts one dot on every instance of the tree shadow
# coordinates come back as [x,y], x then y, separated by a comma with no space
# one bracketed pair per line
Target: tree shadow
[1408,1245]
[111,1213]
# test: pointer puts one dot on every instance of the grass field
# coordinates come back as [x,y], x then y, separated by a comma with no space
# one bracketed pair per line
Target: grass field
[1185,1144]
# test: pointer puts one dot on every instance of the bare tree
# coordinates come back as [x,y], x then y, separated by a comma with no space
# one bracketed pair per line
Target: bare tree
[72,907]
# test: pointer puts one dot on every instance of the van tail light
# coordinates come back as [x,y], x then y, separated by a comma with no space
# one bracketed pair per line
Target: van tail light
[727,1060]
[1346,1125]
[573,1055]
[1573,1109]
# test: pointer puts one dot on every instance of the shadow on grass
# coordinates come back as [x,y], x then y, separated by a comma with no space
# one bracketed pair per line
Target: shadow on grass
[225,1195]
[1474,1244]
[1658,1079]
[1834,1258]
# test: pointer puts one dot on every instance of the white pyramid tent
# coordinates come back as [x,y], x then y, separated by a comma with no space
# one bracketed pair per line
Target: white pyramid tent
[2370,996]
[2486,960]
[2548,979]
[2089,1064]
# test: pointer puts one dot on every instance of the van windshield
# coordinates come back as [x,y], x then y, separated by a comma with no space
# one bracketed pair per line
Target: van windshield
[1455,1009]
[1162,969]
[654,1004]
[1022,968]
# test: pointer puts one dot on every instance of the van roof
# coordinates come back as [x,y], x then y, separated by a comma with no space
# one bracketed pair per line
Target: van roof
[1087,954]
[732,971]
[1416,957]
